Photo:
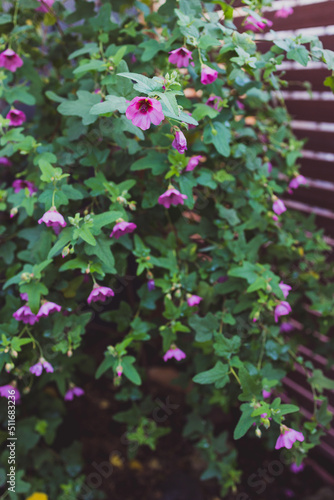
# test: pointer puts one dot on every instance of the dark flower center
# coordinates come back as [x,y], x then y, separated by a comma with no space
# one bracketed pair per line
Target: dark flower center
[145,106]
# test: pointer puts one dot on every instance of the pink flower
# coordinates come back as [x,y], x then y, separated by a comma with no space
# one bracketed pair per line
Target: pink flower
[75,391]
[122,228]
[193,162]
[174,352]
[180,57]
[194,300]
[256,26]
[100,293]
[119,370]
[172,197]
[143,111]
[279,207]
[215,102]
[296,468]
[208,75]
[16,117]
[270,167]
[284,12]
[47,367]
[24,314]
[282,309]
[266,394]
[150,285]
[24,296]
[5,162]
[240,105]
[180,142]
[286,327]
[4,392]
[296,182]
[22,184]
[275,218]
[287,438]
[52,218]
[48,308]
[45,5]
[285,289]
[10,60]
[36,369]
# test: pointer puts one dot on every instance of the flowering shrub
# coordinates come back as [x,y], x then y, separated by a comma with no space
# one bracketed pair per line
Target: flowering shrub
[145,145]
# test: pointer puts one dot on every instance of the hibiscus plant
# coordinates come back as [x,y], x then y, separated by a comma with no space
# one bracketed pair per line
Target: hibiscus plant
[145,155]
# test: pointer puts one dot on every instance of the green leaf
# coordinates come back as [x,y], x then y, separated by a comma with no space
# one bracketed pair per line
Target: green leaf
[104,219]
[34,291]
[153,160]
[245,421]
[94,65]
[217,375]
[218,135]
[299,54]
[226,347]
[108,362]
[84,233]
[229,214]
[103,252]
[111,104]
[5,18]
[320,381]
[80,107]
[151,48]
[202,110]
[130,371]
[89,48]
[144,84]
[64,238]
[204,327]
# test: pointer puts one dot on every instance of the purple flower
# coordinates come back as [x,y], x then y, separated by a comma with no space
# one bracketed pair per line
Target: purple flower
[36,369]
[143,111]
[52,218]
[284,12]
[174,352]
[119,370]
[10,60]
[100,293]
[270,167]
[150,285]
[5,161]
[282,309]
[16,117]
[122,228]
[240,105]
[24,296]
[24,314]
[287,438]
[180,57]
[172,197]
[47,367]
[286,327]
[4,392]
[279,207]
[74,391]
[253,25]
[215,102]
[285,289]
[296,182]
[266,394]
[194,300]
[180,142]
[45,5]
[48,308]
[21,184]
[296,468]
[208,75]
[193,162]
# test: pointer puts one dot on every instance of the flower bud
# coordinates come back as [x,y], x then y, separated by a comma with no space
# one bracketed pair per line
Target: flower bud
[258,433]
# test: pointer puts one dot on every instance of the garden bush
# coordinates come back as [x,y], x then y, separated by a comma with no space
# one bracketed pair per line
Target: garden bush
[145,151]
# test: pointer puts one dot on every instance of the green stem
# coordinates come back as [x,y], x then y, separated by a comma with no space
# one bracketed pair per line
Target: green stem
[235,375]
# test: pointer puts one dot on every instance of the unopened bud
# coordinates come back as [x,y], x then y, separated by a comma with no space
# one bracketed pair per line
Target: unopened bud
[13,212]
[69,353]
[258,433]
[9,367]
[14,353]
